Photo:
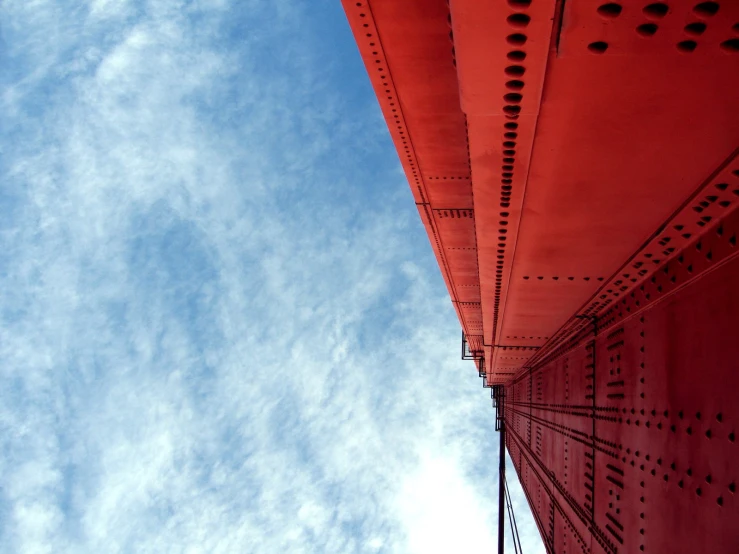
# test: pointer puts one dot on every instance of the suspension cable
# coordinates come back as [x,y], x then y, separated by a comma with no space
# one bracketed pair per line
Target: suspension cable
[512,519]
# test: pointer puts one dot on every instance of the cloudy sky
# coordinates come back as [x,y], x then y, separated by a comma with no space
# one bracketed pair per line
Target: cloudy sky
[223,329]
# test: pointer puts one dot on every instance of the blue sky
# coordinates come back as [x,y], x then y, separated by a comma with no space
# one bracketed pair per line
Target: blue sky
[223,329]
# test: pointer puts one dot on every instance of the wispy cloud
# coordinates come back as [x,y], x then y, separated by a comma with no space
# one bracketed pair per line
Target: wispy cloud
[222,326]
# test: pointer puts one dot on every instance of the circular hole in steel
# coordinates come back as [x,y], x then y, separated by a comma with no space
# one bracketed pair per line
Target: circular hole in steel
[517,39]
[510,135]
[687,46]
[706,9]
[509,152]
[656,10]
[517,56]
[520,4]
[506,167]
[511,110]
[511,125]
[518,20]
[598,47]
[696,28]
[610,10]
[514,85]
[731,45]
[509,144]
[509,160]
[647,29]
[515,70]
[513,98]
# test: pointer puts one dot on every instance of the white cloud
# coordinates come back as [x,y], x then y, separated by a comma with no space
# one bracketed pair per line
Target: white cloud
[109,8]
[441,510]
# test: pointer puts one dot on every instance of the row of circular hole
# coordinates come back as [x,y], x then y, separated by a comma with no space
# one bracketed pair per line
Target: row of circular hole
[659,10]
[396,117]
[511,109]
[686,46]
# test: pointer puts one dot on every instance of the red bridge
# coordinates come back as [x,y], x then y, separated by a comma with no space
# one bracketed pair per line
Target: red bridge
[575,165]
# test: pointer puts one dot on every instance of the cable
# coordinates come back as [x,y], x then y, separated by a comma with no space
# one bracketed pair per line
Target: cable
[512,519]
[515,524]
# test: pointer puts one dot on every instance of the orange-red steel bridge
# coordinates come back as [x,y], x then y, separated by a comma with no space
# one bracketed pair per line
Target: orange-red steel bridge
[575,164]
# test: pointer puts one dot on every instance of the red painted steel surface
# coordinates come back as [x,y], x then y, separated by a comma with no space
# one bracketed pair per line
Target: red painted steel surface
[575,165]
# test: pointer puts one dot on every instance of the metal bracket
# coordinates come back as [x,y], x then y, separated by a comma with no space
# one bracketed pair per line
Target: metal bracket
[468,354]
[497,393]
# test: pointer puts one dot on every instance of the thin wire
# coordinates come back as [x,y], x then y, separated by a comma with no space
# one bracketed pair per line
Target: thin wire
[515,524]
[512,516]
[510,521]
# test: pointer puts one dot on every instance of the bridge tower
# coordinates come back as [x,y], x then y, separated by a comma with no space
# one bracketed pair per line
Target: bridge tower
[575,165]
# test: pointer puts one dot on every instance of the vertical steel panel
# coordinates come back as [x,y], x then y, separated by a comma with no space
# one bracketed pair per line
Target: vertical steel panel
[661,468]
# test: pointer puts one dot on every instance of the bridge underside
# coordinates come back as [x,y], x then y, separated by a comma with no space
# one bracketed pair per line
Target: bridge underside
[576,166]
